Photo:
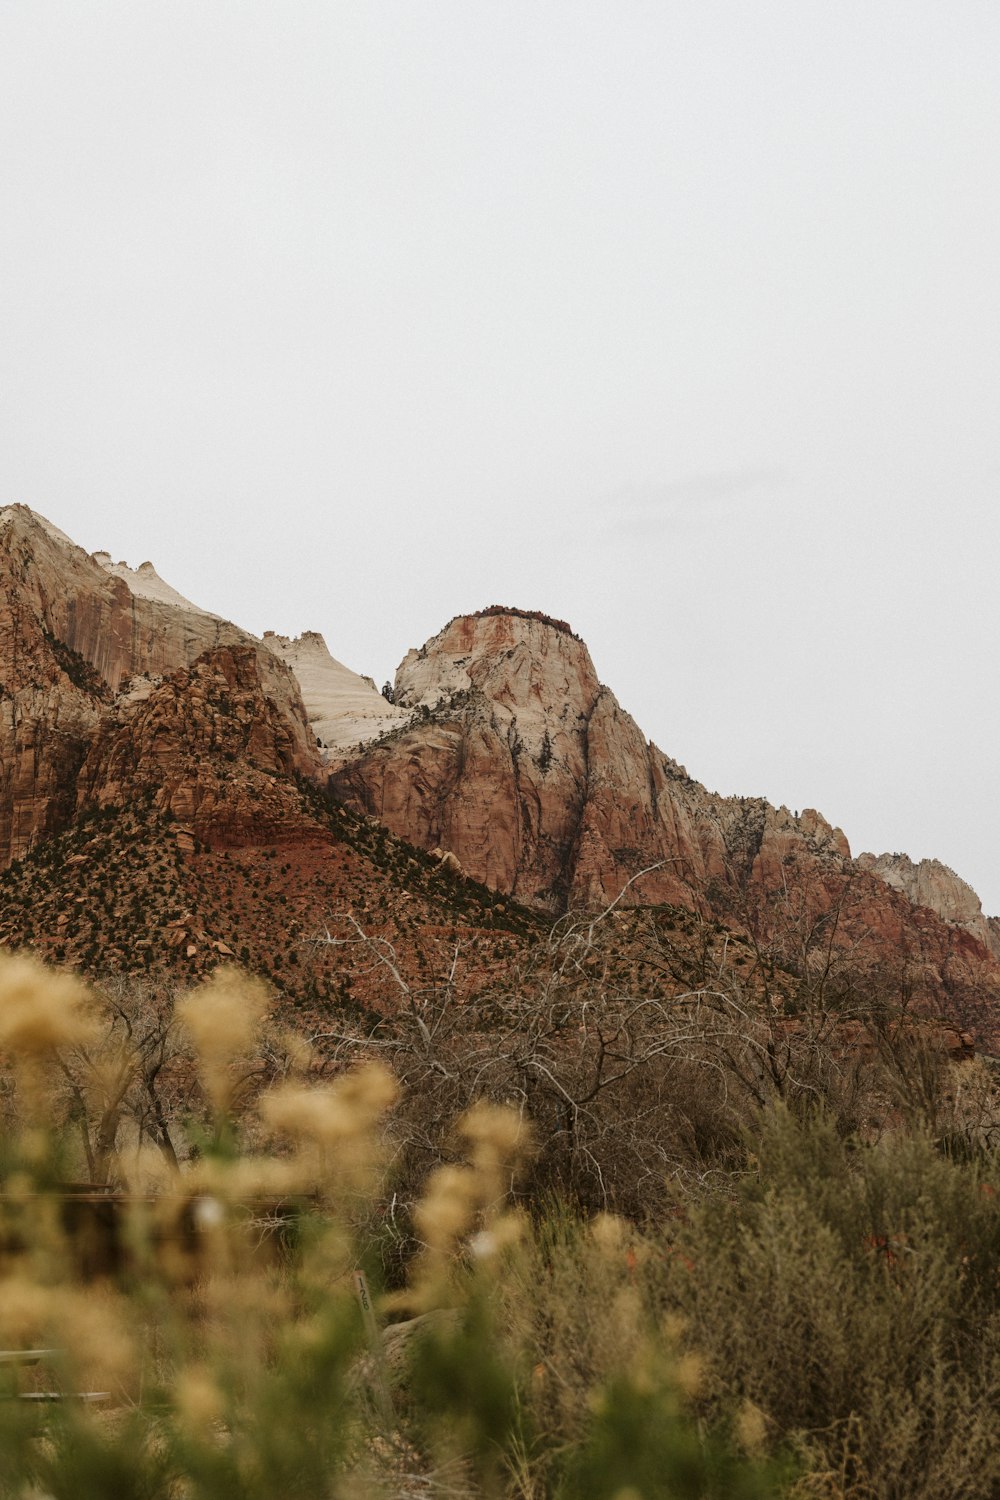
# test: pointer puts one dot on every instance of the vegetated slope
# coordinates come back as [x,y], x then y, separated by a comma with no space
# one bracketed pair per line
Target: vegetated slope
[127,889]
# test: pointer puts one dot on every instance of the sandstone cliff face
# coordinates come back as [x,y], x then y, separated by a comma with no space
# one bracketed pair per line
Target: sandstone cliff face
[93,611]
[49,705]
[929,883]
[210,747]
[518,761]
[44,733]
[74,631]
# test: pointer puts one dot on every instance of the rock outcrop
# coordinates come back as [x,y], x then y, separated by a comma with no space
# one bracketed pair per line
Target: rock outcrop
[76,634]
[210,747]
[93,611]
[518,760]
[928,882]
[344,709]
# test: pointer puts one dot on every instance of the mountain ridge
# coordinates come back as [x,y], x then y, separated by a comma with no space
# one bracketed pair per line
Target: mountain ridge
[501,752]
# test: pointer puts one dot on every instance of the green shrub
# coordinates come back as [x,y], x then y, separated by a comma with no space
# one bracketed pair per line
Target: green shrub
[852,1293]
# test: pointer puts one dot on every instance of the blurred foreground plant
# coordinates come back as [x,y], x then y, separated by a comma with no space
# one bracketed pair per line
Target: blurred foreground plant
[225,1336]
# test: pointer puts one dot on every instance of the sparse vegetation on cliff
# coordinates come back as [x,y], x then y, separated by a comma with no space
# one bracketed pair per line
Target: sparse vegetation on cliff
[517,614]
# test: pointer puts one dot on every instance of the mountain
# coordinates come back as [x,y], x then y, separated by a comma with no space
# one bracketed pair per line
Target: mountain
[930,883]
[518,761]
[502,785]
[525,766]
[162,801]
[82,641]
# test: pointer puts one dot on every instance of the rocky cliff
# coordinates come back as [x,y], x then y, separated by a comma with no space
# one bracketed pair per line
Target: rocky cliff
[210,747]
[927,882]
[502,751]
[345,710]
[523,765]
[82,640]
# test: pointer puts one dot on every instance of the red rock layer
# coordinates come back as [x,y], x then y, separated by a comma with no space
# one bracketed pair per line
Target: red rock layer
[210,745]
[524,766]
[71,636]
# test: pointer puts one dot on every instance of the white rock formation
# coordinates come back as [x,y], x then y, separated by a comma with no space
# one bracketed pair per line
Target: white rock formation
[9,515]
[927,882]
[145,583]
[344,709]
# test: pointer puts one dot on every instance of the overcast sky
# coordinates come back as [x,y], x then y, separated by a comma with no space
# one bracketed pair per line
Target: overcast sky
[679,320]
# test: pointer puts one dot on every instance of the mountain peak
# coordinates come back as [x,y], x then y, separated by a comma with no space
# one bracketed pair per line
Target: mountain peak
[145,583]
[513,612]
[22,517]
[522,660]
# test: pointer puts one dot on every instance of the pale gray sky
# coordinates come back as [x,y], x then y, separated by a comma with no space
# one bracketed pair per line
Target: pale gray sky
[680,320]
